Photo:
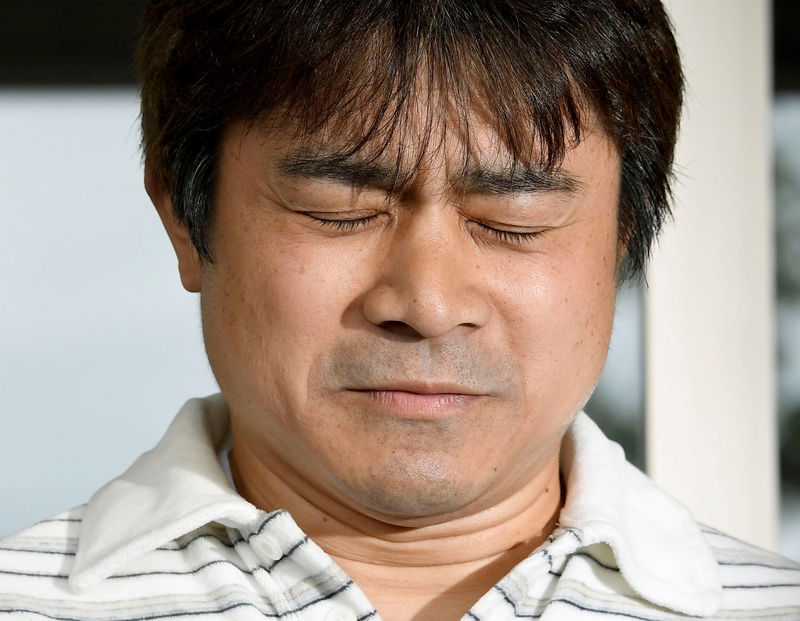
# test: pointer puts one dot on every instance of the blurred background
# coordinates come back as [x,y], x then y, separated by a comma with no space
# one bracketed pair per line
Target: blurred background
[100,345]
[786,175]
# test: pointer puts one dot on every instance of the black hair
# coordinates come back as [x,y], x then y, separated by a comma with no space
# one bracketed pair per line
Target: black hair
[540,71]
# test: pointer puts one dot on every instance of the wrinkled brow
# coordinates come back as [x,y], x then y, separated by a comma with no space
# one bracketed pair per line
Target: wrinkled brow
[343,169]
[516,180]
[351,171]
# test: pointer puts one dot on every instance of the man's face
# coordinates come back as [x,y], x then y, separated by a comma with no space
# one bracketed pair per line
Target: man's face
[416,354]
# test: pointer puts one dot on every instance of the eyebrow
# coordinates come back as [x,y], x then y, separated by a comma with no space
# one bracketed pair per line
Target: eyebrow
[341,169]
[350,171]
[517,180]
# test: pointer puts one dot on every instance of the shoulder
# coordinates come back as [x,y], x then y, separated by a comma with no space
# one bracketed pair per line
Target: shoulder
[35,563]
[44,548]
[753,578]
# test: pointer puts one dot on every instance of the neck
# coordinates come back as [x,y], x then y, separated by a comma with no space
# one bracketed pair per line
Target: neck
[436,569]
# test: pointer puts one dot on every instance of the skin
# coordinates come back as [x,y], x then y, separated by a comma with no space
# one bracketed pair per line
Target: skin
[401,381]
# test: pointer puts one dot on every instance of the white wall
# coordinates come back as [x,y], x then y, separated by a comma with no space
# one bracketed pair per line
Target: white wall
[99,345]
[710,394]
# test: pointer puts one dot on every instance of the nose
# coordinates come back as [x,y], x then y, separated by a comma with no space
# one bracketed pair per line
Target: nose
[429,284]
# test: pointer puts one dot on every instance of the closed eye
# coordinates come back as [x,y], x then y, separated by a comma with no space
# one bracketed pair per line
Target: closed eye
[342,224]
[509,236]
[505,235]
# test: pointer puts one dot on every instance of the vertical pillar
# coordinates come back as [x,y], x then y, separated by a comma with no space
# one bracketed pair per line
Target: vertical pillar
[709,312]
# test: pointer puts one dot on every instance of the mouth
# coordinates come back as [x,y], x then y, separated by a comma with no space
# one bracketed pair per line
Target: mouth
[419,401]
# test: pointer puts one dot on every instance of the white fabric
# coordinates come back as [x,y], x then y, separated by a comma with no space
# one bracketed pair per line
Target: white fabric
[608,501]
[651,534]
[169,491]
[170,537]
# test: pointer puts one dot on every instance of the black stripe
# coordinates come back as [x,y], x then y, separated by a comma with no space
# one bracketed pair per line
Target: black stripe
[325,597]
[584,607]
[289,553]
[214,562]
[10,572]
[245,570]
[795,585]
[472,615]
[603,565]
[508,600]
[230,544]
[589,556]
[174,614]
[266,521]
[196,613]
[196,570]
[163,548]
[576,535]
[30,551]
[754,564]
[560,531]
[183,546]
[562,600]
[710,531]
[603,611]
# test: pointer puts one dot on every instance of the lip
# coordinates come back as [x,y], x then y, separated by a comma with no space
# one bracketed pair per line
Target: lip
[419,401]
[421,388]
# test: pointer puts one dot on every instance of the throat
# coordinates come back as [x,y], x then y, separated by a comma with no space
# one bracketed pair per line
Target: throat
[435,592]
[440,571]
[434,569]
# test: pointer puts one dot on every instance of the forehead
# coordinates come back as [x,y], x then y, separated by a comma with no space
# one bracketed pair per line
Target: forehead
[461,164]
[423,132]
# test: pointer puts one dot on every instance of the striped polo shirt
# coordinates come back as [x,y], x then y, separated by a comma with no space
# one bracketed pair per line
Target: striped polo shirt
[171,539]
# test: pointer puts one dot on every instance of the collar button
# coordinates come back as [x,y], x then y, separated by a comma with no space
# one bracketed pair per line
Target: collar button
[267,546]
[340,614]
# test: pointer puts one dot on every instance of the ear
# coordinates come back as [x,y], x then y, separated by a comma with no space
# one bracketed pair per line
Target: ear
[189,263]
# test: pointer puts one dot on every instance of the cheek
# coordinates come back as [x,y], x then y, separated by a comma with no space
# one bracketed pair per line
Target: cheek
[561,326]
[271,309]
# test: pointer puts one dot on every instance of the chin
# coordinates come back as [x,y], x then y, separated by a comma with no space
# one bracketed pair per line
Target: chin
[400,492]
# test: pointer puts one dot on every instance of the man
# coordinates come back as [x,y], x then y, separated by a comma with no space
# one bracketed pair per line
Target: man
[406,221]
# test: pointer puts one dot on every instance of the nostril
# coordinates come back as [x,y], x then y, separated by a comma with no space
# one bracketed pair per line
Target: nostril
[416,304]
[400,328]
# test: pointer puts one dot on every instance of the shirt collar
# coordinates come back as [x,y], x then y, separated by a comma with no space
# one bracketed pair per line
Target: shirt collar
[180,486]
[171,490]
[657,544]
